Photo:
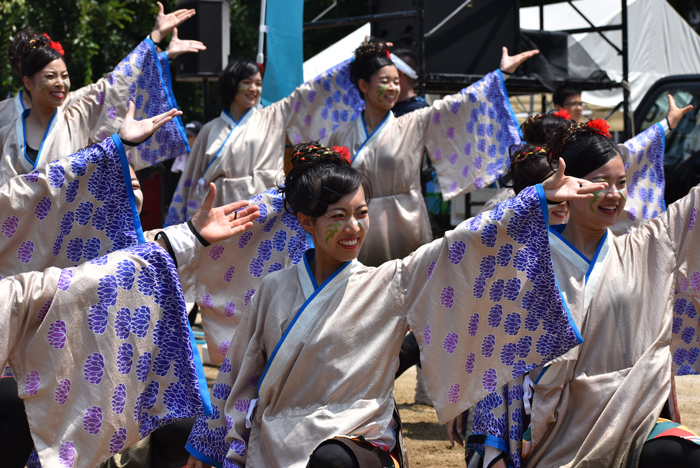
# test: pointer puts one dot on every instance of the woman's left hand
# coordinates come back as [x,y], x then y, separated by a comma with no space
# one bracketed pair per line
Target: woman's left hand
[138,131]
[223,222]
[166,23]
[675,114]
[510,64]
[560,188]
[179,46]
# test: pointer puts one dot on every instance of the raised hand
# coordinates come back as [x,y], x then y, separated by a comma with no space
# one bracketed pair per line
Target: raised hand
[179,46]
[223,222]
[560,188]
[510,63]
[134,132]
[674,114]
[166,23]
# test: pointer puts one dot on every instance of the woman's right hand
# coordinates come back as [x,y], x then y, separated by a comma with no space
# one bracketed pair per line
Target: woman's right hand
[194,463]
[560,188]
[454,429]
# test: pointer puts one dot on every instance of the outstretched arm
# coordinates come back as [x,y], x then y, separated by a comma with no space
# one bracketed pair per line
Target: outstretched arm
[134,132]
[675,114]
[560,188]
[223,222]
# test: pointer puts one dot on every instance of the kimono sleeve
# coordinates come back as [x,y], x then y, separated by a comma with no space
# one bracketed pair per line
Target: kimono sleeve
[104,348]
[684,234]
[644,155]
[223,437]
[223,277]
[468,135]
[484,303]
[143,78]
[73,209]
[320,106]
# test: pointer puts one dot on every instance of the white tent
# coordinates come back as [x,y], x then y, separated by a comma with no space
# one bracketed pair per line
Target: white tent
[661,42]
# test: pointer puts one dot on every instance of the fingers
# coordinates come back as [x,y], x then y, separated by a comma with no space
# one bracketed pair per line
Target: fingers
[671,103]
[586,188]
[245,217]
[130,111]
[234,206]
[208,202]
[161,10]
[174,38]
[560,169]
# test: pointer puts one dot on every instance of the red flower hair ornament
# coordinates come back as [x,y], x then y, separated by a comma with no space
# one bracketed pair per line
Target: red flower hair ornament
[55,45]
[599,126]
[344,152]
[563,114]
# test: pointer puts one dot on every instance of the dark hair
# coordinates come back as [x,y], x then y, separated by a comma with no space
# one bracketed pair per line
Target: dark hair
[529,165]
[582,148]
[235,72]
[29,52]
[562,93]
[319,177]
[369,57]
[538,129]
[408,56]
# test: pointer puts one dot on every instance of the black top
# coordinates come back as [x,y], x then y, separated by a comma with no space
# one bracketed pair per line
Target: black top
[32,153]
[409,105]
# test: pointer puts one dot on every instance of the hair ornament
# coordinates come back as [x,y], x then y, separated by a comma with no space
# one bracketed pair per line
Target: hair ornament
[344,151]
[310,152]
[55,45]
[599,126]
[522,156]
[562,113]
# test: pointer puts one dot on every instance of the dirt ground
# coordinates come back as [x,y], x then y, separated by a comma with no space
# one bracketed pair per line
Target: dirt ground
[426,439]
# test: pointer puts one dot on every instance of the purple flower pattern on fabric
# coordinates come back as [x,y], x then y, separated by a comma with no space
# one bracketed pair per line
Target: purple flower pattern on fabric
[469,364]
[693,216]
[695,280]
[140,321]
[97,318]
[74,250]
[41,211]
[72,190]
[60,396]
[512,289]
[504,254]
[207,302]
[489,380]
[25,251]
[116,443]
[508,352]
[228,274]
[238,446]
[426,335]
[41,314]
[248,295]
[119,398]
[57,175]
[450,342]
[225,366]
[92,421]
[32,177]
[524,346]
[125,358]
[150,395]
[223,347]
[230,309]
[242,405]
[9,226]
[126,274]
[93,369]
[455,252]
[122,323]
[430,269]
[473,324]
[216,252]
[221,390]
[495,315]
[688,334]
[143,366]
[65,279]
[447,297]
[496,291]
[56,334]
[487,345]
[253,380]
[453,393]
[31,383]
[243,240]
[67,454]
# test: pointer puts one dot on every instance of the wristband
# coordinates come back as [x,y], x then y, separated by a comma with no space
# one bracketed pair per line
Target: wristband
[199,237]
[158,44]
[168,245]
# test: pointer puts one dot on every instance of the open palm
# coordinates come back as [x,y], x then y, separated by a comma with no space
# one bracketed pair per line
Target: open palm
[166,23]
[134,132]
[560,188]
[223,222]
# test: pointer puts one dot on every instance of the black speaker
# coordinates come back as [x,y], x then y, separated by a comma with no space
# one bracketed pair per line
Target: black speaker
[211,26]
[468,43]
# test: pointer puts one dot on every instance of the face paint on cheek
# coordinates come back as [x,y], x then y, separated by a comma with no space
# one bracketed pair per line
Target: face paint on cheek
[66,83]
[242,88]
[596,196]
[361,223]
[380,91]
[332,229]
[623,194]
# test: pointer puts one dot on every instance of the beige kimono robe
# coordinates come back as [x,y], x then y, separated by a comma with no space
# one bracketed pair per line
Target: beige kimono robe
[596,405]
[102,353]
[311,362]
[91,115]
[467,136]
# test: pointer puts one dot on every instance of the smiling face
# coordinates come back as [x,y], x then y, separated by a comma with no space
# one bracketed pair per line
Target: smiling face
[603,210]
[382,90]
[248,93]
[49,86]
[558,214]
[338,234]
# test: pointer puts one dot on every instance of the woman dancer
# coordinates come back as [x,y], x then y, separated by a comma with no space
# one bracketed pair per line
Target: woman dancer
[58,123]
[463,133]
[309,362]
[620,293]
